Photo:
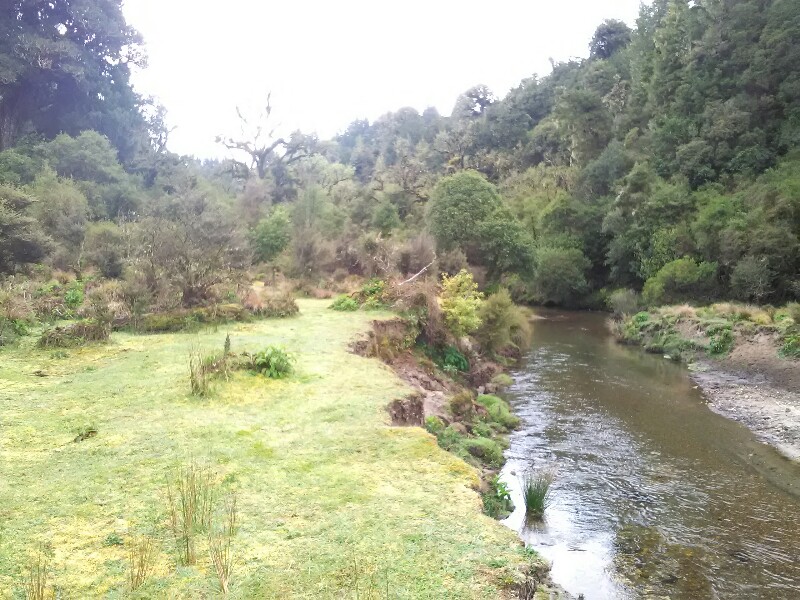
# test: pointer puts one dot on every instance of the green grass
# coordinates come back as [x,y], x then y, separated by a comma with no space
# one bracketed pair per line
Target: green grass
[536,493]
[322,481]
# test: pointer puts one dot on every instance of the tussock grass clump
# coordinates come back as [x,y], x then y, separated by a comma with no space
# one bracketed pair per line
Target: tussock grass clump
[220,542]
[199,373]
[37,578]
[503,325]
[190,499]
[141,560]
[536,493]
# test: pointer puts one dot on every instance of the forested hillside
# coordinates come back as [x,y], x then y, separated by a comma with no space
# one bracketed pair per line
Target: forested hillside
[665,162]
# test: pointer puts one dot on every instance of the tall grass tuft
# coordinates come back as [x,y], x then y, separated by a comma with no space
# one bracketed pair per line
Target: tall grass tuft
[536,493]
[141,560]
[219,545]
[191,498]
[37,586]
[199,376]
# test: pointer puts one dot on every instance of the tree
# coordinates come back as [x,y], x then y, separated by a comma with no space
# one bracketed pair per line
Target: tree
[266,152]
[272,235]
[560,275]
[609,37]
[459,204]
[65,67]
[21,239]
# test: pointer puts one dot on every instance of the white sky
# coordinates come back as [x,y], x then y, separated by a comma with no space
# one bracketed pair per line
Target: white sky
[330,62]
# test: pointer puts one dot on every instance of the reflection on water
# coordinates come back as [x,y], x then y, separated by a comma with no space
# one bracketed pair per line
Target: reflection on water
[654,493]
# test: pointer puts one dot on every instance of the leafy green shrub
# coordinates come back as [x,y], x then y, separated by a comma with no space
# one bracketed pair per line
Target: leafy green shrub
[680,280]
[274,362]
[503,324]
[485,449]
[76,334]
[434,425]
[791,345]
[450,439]
[373,288]
[499,411]
[344,303]
[623,302]
[73,297]
[497,499]
[447,358]
[460,302]
[536,493]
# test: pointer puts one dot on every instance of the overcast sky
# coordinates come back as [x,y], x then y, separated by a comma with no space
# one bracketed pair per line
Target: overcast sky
[330,62]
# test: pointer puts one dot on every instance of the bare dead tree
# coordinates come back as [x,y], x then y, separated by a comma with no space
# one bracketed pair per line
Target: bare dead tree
[267,152]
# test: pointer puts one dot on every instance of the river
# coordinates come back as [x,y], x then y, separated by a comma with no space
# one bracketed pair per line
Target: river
[654,494]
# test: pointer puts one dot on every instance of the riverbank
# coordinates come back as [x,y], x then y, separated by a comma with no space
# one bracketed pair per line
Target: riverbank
[743,358]
[330,497]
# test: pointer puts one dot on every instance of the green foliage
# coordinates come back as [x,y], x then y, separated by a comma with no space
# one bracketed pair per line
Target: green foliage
[344,303]
[272,235]
[73,297]
[448,358]
[536,493]
[459,204]
[385,218]
[21,239]
[274,362]
[680,280]
[486,450]
[721,342]
[498,411]
[434,425]
[560,275]
[497,499]
[460,303]
[623,302]
[503,325]
[790,348]
[104,247]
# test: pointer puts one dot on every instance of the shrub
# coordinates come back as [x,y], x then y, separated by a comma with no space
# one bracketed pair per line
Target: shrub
[273,361]
[721,343]
[486,450]
[279,305]
[498,411]
[460,302]
[497,499]
[344,303]
[502,324]
[791,345]
[77,334]
[680,280]
[450,439]
[623,302]
[434,425]
[502,380]
[536,493]
[751,279]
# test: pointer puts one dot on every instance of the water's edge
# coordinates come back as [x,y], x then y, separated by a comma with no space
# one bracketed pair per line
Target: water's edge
[654,492]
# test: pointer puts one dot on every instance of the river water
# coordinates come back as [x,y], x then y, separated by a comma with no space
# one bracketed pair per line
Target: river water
[654,494]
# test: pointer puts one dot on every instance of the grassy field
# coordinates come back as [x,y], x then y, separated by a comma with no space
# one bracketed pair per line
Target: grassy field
[330,497]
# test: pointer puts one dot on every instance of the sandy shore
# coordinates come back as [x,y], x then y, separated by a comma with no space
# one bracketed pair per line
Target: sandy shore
[757,388]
